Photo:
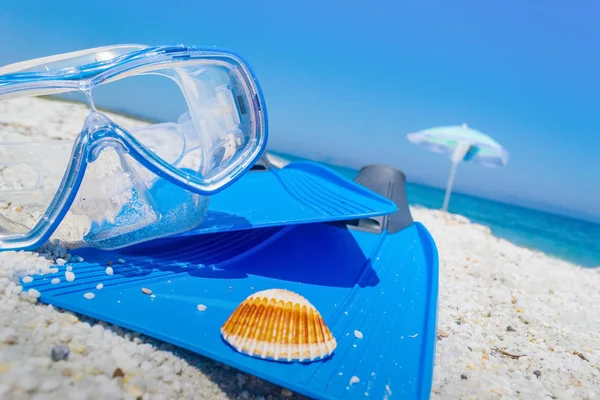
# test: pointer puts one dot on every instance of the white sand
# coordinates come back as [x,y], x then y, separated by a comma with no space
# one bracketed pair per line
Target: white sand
[494,297]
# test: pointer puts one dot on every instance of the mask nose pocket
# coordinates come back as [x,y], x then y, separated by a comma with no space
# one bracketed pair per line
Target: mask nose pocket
[121,203]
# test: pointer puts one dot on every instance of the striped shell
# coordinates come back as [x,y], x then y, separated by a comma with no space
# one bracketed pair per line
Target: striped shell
[280,325]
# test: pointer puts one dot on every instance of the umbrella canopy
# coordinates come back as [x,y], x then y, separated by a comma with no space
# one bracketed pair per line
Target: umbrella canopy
[462,144]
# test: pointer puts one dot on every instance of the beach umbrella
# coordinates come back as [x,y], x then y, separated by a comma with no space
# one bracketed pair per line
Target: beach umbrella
[463,144]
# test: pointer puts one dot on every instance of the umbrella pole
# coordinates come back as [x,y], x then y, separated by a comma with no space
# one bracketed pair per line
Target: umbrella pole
[449,185]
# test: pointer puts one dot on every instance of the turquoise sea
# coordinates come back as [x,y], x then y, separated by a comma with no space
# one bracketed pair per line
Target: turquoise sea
[571,239]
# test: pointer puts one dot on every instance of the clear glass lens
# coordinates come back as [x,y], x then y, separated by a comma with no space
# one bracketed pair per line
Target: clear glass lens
[222,122]
[200,115]
[34,153]
[148,107]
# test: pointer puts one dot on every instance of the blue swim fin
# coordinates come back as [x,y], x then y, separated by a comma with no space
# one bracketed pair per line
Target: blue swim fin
[377,276]
[301,192]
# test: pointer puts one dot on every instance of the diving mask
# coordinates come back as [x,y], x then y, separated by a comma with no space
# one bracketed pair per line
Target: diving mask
[113,146]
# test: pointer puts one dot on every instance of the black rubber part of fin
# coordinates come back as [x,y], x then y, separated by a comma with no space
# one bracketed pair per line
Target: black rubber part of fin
[262,164]
[389,183]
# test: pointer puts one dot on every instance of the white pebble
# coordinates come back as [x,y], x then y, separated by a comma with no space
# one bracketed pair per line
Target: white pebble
[354,380]
[54,328]
[89,295]
[146,366]
[9,336]
[99,286]
[27,279]
[54,281]
[69,268]
[201,307]
[60,262]
[108,271]
[70,276]
[33,293]
[121,261]
[358,334]
[97,333]
[49,385]
[28,383]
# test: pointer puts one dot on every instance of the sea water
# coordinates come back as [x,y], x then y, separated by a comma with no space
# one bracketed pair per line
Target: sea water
[570,239]
[573,240]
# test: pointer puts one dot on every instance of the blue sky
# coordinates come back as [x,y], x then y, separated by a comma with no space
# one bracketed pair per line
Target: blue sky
[346,81]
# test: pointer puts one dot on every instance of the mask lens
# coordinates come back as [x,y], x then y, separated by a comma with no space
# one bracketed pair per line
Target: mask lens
[119,201]
[199,116]
[35,147]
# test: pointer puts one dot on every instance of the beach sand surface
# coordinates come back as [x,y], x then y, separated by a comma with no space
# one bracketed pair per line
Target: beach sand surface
[513,323]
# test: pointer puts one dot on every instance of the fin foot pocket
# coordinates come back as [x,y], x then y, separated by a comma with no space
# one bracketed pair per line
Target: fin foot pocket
[389,183]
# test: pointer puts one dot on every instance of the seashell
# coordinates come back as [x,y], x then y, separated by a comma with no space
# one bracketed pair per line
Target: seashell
[280,325]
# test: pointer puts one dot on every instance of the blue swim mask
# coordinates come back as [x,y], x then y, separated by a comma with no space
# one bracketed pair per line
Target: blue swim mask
[113,146]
